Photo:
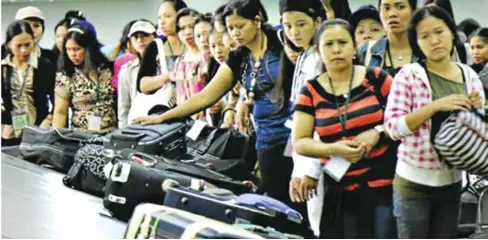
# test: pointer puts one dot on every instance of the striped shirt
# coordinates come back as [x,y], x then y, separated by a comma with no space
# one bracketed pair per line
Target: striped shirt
[365,111]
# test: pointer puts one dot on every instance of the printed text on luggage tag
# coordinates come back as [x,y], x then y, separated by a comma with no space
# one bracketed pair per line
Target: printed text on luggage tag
[196,129]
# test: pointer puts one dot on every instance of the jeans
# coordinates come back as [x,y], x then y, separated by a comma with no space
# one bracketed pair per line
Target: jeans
[382,224]
[426,217]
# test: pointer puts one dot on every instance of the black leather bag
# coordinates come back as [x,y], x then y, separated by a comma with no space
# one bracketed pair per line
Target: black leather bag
[54,147]
[224,150]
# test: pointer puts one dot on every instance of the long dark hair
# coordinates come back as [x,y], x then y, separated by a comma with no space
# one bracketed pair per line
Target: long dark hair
[248,9]
[16,28]
[94,59]
[123,41]
[177,4]
[444,4]
[482,33]
[421,14]
[341,8]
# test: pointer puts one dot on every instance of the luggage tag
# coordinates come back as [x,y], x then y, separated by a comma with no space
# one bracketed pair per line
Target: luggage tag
[288,149]
[196,129]
[336,167]
[289,146]
[208,116]
[19,122]
[94,123]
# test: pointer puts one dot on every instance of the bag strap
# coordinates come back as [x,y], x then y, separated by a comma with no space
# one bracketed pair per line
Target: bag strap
[161,55]
[368,53]
[202,149]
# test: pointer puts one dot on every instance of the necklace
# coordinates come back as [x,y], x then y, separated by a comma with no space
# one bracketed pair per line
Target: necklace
[343,117]
[254,73]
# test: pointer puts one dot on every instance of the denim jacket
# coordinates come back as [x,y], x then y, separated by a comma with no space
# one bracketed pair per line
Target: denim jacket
[378,51]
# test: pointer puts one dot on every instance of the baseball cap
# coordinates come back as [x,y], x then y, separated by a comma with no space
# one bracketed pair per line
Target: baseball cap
[364,12]
[142,26]
[29,12]
[88,26]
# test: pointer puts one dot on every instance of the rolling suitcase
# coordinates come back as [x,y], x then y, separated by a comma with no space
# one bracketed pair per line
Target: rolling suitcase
[247,208]
[137,177]
[55,147]
[166,139]
[151,221]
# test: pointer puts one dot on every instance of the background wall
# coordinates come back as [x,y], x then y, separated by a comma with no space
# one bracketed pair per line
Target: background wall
[110,16]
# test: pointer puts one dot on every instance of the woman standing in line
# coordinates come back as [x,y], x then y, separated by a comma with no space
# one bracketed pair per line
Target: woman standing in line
[426,191]
[345,107]
[84,81]
[27,84]
[392,51]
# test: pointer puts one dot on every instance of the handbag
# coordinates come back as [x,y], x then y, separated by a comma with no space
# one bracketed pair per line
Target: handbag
[462,142]
[143,104]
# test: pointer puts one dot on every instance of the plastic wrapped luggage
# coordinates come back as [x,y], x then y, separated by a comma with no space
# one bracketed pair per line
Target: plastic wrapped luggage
[151,221]
[247,208]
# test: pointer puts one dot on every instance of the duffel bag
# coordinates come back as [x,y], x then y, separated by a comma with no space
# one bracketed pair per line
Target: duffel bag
[462,142]
[55,147]
[224,150]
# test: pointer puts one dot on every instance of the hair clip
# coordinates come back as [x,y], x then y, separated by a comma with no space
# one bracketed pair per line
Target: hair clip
[76,30]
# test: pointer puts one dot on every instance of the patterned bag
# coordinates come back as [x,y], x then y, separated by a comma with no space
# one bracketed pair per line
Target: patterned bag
[462,142]
[87,172]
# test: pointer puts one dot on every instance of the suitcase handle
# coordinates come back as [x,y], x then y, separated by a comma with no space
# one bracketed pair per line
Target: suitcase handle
[128,136]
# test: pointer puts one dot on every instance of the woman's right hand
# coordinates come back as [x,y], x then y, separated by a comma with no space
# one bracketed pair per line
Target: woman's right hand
[352,151]
[454,102]
[7,131]
[149,120]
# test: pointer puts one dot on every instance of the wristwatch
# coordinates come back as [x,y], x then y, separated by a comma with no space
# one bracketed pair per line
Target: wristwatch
[379,128]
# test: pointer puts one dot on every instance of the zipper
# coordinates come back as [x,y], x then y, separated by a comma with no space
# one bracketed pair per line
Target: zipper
[159,139]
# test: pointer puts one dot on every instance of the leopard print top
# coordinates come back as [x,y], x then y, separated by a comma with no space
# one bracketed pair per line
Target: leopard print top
[81,92]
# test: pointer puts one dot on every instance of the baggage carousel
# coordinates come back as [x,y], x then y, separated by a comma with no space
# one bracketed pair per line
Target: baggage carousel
[36,204]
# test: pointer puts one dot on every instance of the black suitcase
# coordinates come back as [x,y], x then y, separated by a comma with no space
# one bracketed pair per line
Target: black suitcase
[223,210]
[166,139]
[151,221]
[55,147]
[224,150]
[137,177]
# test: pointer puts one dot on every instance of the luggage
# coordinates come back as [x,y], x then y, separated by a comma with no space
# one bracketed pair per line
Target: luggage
[55,147]
[160,222]
[482,217]
[224,150]
[462,142]
[137,177]
[265,212]
[470,197]
[166,139]
[87,172]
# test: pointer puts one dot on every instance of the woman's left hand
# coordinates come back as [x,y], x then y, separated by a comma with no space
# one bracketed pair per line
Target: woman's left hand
[476,100]
[149,120]
[369,139]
